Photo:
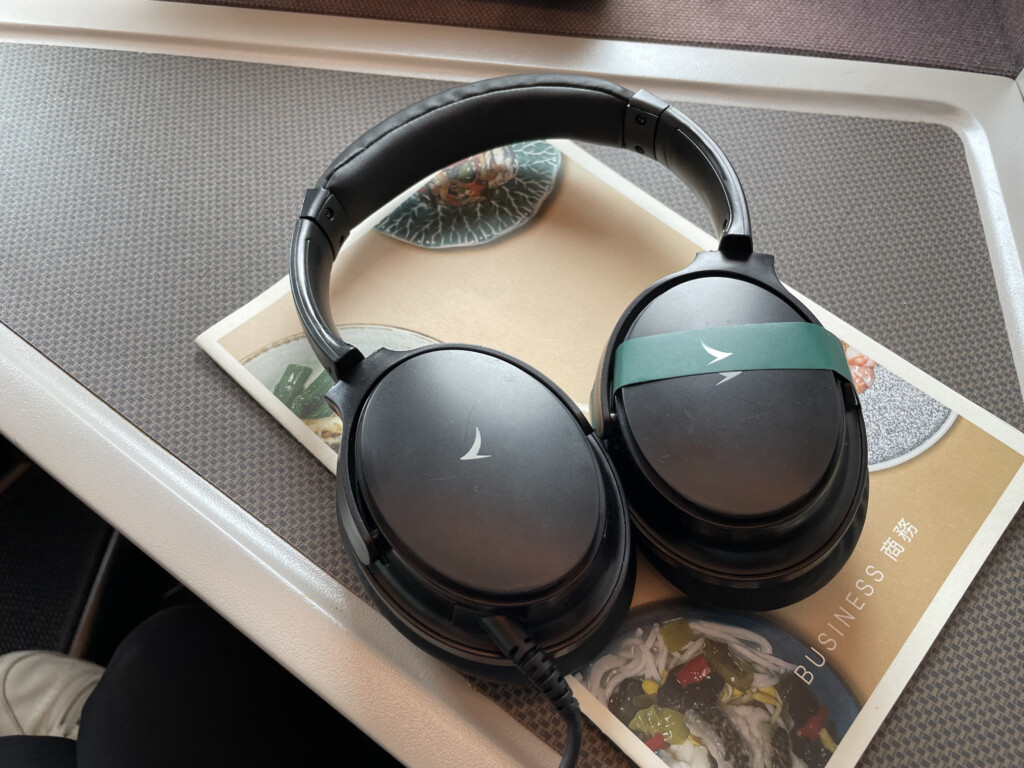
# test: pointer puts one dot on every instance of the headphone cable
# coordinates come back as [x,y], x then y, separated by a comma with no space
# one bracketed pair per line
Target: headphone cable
[540,669]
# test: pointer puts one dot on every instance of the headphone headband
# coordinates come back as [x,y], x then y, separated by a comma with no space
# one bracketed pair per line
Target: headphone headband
[464,121]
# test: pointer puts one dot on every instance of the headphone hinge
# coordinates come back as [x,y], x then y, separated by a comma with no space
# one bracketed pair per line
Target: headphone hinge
[323,208]
[640,126]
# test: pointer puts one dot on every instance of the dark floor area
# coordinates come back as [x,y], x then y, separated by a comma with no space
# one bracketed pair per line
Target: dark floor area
[70,583]
[51,547]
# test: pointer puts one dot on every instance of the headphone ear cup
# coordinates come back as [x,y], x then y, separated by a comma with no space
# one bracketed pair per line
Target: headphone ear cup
[470,487]
[747,488]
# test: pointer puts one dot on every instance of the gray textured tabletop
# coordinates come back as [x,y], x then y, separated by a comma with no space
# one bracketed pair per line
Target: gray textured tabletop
[145,197]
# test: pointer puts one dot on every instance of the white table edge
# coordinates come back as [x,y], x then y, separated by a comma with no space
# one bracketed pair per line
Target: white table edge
[423,712]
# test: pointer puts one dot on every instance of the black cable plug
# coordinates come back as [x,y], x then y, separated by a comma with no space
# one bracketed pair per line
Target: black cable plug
[538,667]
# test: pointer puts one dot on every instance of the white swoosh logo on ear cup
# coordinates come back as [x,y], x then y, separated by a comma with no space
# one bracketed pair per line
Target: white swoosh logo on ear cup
[715,353]
[474,451]
[727,376]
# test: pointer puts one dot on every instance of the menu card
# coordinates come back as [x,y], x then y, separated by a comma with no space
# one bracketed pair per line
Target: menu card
[536,249]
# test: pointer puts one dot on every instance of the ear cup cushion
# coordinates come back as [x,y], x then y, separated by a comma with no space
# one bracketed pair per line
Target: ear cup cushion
[751,571]
[449,646]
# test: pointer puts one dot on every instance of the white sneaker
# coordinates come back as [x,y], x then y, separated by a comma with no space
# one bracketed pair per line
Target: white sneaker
[42,693]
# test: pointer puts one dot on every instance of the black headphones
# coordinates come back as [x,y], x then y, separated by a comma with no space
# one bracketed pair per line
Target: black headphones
[482,509]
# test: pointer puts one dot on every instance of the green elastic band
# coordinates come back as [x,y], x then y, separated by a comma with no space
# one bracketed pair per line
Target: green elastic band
[758,347]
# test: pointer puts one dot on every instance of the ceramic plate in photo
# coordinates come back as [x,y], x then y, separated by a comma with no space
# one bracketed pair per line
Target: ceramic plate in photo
[901,421]
[291,371]
[479,199]
[704,687]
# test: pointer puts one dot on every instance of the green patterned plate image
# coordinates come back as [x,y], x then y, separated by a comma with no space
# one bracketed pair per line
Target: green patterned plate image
[478,200]
[290,370]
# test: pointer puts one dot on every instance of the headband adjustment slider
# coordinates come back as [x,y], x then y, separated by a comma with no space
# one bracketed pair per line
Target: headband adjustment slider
[640,123]
[325,209]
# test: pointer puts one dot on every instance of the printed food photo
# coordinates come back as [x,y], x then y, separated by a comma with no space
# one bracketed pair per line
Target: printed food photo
[705,688]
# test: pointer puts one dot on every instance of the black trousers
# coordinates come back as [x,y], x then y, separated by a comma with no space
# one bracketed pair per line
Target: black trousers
[185,689]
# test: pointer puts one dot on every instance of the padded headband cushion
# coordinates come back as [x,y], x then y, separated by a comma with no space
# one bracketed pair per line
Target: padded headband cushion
[453,125]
